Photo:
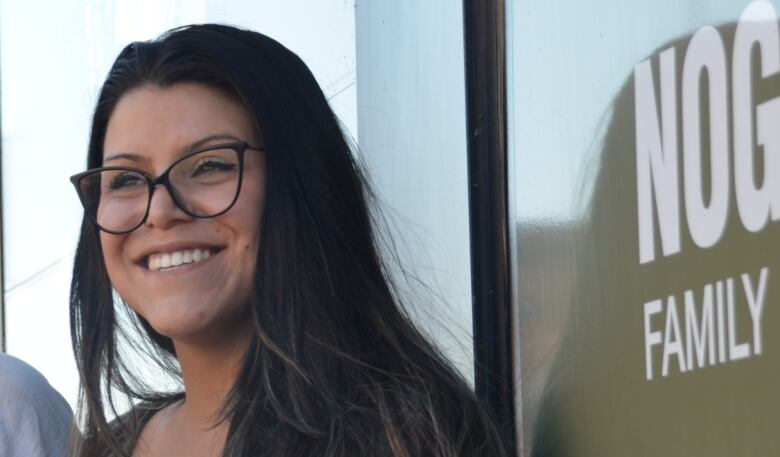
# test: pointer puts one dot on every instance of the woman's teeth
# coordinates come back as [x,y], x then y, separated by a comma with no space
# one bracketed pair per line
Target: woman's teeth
[178,258]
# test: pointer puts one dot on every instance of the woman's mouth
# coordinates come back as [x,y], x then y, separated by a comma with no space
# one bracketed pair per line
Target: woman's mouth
[171,260]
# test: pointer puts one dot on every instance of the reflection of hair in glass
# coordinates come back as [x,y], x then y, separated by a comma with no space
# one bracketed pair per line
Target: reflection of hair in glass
[594,403]
[335,367]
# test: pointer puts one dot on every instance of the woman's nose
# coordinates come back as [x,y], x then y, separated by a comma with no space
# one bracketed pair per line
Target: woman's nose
[163,210]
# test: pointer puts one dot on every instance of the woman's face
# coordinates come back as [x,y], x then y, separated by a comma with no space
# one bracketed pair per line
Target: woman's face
[204,300]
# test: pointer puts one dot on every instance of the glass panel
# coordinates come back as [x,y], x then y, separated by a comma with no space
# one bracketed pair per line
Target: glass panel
[644,199]
[413,138]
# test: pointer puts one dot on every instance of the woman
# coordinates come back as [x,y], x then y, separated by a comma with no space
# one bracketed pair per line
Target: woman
[225,208]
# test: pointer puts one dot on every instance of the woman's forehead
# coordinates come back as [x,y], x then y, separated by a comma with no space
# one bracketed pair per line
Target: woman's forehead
[153,121]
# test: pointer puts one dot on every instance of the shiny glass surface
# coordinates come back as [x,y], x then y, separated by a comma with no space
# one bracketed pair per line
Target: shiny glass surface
[412,124]
[643,236]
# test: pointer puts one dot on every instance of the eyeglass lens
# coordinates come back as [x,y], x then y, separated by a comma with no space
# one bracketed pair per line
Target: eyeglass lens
[204,184]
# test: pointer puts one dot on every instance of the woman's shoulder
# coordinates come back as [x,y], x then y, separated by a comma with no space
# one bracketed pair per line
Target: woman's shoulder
[436,415]
[127,427]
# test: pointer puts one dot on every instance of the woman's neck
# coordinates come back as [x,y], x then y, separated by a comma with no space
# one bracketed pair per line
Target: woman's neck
[209,370]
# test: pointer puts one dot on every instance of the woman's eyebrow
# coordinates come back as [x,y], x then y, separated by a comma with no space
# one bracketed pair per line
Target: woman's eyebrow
[210,138]
[126,156]
[194,145]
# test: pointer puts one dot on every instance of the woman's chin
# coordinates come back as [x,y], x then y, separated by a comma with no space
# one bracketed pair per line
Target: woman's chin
[193,327]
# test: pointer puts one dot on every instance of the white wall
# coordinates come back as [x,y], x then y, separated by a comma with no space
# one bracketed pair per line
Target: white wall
[412,118]
[53,57]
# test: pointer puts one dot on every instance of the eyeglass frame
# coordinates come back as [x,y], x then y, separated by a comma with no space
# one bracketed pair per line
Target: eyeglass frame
[152,182]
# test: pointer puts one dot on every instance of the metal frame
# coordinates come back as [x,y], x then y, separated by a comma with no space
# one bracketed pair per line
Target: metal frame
[485,61]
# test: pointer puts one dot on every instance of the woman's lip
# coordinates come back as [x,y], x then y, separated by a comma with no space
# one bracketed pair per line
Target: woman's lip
[167,248]
[183,268]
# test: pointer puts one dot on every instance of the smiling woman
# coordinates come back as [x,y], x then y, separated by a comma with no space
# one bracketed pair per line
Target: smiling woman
[225,209]
[205,211]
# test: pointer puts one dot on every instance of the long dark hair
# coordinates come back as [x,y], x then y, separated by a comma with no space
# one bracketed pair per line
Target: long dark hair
[335,366]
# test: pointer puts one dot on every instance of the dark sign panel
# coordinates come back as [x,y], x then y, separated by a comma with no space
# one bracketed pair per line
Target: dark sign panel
[649,312]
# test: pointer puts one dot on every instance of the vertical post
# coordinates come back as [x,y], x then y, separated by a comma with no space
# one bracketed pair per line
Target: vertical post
[2,255]
[485,60]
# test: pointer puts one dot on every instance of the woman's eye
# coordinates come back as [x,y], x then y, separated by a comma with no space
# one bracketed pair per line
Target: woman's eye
[126,181]
[213,166]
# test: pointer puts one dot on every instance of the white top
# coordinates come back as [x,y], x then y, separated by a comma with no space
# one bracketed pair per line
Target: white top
[35,421]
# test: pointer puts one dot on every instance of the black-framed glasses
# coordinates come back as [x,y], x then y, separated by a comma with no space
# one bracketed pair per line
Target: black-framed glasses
[204,183]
